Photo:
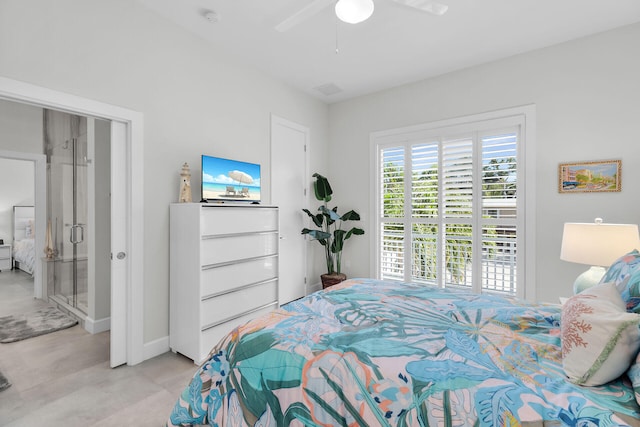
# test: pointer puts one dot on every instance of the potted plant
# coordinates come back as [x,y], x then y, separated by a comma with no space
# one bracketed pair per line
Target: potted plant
[330,233]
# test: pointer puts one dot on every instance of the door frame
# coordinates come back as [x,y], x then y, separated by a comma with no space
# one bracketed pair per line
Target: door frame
[130,303]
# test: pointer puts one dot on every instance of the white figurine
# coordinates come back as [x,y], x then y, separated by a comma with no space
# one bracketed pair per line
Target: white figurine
[185,184]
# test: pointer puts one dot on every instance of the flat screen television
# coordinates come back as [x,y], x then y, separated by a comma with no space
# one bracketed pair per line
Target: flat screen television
[229,180]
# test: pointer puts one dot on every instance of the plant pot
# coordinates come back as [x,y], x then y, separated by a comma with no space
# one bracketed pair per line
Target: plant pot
[332,279]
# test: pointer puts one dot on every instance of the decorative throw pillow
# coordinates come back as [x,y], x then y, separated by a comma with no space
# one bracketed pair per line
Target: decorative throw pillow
[634,376]
[625,272]
[599,338]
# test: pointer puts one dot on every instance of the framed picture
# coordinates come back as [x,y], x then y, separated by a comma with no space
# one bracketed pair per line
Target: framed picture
[590,177]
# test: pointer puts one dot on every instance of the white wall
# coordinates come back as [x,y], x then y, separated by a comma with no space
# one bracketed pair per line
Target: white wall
[21,126]
[587,95]
[194,99]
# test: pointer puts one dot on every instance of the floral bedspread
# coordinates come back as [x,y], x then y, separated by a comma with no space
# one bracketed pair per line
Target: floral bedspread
[373,353]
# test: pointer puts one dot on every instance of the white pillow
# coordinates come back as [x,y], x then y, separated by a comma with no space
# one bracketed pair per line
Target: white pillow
[599,337]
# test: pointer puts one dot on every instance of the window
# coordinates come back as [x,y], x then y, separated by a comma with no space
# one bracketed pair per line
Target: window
[450,204]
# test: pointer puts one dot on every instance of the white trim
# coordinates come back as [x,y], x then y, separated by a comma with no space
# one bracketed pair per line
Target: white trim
[374,178]
[156,347]
[476,243]
[96,326]
[91,222]
[529,173]
[18,91]
[524,116]
[400,134]
[40,203]
[311,288]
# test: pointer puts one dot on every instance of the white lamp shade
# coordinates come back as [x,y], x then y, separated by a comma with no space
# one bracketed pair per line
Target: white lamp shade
[597,244]
[354,11]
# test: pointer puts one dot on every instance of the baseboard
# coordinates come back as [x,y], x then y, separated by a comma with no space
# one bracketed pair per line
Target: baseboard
[97,326]
[315,287]
[155,348]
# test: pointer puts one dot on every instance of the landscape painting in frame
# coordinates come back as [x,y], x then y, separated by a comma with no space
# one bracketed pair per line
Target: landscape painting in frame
[590,177]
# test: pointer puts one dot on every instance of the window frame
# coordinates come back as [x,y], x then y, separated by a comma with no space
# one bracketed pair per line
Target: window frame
[523,117]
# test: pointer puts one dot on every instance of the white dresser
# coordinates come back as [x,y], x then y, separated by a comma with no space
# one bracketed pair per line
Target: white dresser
[223,271]
[5,257]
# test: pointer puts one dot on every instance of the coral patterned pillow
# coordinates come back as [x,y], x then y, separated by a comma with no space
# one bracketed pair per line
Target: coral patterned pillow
[599,338]
[634,376]
[625,272]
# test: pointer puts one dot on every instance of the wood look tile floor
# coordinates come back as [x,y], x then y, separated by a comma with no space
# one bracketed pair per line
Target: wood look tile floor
[64,379]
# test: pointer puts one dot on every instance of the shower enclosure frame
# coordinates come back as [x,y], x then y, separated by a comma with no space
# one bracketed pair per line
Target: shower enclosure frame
[68,138]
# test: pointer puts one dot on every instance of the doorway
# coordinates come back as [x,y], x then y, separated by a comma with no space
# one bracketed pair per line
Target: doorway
[127,340]
[289,143]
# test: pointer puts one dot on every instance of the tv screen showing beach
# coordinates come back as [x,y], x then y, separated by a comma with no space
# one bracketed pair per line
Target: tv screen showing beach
[225,179]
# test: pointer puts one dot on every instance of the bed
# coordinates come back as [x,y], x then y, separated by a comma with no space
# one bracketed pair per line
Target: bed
[24,238]
[368,352]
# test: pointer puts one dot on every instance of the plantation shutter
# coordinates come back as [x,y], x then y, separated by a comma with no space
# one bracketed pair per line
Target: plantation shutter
[425,205]
[392,198]
[453,220]
[457,233]
[499,211]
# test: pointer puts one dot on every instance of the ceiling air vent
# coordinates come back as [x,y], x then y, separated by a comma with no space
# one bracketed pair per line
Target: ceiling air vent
[328,89]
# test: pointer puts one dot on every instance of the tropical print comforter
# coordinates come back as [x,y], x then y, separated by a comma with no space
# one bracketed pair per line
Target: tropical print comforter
[373,353]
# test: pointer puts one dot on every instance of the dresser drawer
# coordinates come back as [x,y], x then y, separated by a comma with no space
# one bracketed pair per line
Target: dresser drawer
[223,271]
[231,276]
[237,248]
[237,220]
[212,336]
[5,263]
[227,306]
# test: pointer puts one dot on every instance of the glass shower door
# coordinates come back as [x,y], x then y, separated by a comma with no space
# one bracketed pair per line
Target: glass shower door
[68,207]
[77,228]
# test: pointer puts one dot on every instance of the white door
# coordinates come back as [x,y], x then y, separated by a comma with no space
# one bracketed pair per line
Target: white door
[288,179]
[119,255]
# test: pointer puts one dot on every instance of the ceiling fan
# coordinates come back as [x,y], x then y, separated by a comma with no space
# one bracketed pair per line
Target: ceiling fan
[354,11]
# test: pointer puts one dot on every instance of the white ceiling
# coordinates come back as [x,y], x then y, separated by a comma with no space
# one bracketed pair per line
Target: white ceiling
[396,45]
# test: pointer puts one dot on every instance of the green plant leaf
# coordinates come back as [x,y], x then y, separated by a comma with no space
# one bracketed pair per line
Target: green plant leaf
[338,241]
[351,216]
[354,230]
[316,234]
[332,214]
[318,219]
[322,188]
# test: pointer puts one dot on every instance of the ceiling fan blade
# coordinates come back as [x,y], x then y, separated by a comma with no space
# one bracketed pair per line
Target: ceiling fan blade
[432,7]
[303,14]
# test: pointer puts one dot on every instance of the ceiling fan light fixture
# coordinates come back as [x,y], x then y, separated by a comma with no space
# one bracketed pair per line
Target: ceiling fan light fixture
[354,11]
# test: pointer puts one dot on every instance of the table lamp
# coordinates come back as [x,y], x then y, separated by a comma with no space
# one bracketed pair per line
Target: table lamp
[596,244]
